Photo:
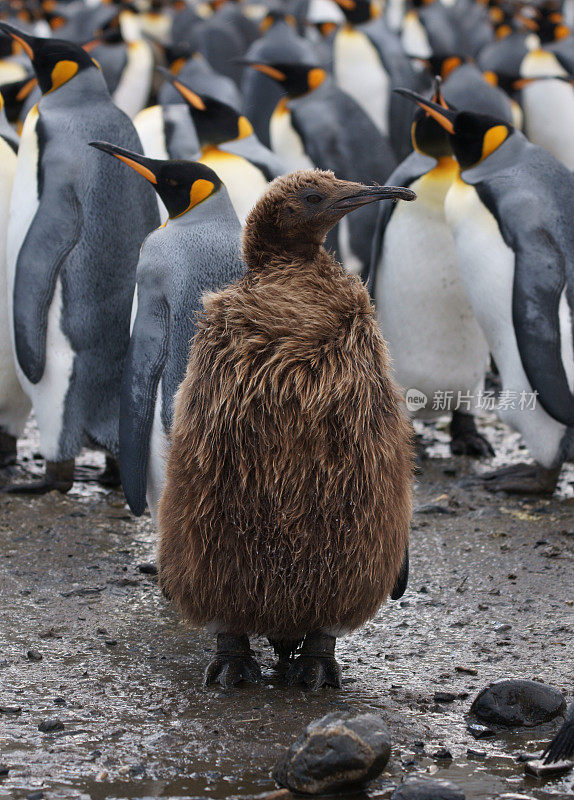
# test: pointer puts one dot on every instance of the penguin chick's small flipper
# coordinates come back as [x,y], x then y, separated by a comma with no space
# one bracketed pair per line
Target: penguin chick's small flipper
[402,580]
[144,365]
[562,745]
[316,666]
[521,479]
[52,235]
[465,439]
[59,477]
[233,662]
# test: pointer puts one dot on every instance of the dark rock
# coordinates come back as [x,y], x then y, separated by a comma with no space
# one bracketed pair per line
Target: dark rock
[51,725]
[444,697]
[148,568]
[470,753]
[338,751]
[480,731]
[34,655]
[4,771]
[111,642]
[442,754]
[516,702]
[60,701]
[427,789]
[35,795]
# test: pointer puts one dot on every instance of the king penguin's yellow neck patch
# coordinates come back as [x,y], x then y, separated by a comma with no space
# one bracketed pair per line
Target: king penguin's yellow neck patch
[62,72]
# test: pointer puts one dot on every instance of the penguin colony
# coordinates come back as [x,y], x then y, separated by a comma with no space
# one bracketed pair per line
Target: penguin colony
[236,237]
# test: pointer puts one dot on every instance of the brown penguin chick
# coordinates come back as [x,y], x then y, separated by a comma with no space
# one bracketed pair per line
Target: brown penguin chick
[287,503]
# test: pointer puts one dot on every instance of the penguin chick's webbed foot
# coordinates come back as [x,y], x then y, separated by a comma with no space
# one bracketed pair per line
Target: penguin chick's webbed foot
[7,450]
[521,479]
[59,476]
[465,439]
[233,662]
[316,666]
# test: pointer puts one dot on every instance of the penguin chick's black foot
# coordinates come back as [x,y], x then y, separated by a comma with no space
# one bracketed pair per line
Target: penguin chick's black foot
[233,662]
[521,479]
[316,666]
[58,476]
[7,450]
[110,477]
[465,439]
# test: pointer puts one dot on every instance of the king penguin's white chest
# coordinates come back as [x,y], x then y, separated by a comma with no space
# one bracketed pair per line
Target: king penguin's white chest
[359,72]
[244,181]
[435,341]
[285,141]
[548,106]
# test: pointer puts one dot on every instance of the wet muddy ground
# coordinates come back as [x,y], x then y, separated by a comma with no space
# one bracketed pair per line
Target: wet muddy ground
[491,592]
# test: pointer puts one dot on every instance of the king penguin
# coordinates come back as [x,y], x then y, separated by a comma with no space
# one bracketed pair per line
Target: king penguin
[230,147]
[196,251]
[14,403]
[317,124]
[434,339]
[76,226]
[510,211]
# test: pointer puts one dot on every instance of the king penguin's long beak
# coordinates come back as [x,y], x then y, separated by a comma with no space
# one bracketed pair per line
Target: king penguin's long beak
[265,69]
[444,116]
[192,98]
[23,39]
[370,194]
[139,163]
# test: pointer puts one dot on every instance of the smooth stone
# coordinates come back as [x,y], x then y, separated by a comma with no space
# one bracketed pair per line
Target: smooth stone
[51,725]
[516,702]
[337,752]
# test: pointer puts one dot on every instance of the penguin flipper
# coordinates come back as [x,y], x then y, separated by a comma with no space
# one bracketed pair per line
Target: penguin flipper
[143,369]
[539,280]
[402,580]
[52,235]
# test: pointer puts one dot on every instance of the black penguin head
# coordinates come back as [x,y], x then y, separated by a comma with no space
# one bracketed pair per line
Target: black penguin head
[548,24]
[358,11]
[442,65]
[296,79]
[215,121]
[301,208]
[182,185]
[428,136]
[473,136]
[55,61]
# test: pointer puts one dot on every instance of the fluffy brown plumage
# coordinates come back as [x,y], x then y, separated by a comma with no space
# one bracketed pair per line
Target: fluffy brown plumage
[288,496]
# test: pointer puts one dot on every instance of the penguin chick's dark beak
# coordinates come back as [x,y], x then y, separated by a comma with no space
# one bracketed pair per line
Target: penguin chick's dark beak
[133,160]
[370,194]
[444,116]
